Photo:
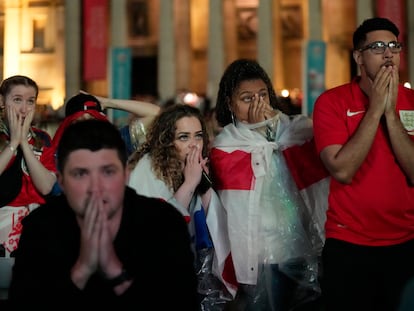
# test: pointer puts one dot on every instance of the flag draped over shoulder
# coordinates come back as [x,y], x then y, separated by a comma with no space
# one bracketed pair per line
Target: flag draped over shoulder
[204,227]
[223,262]
[240,159]
[312,180]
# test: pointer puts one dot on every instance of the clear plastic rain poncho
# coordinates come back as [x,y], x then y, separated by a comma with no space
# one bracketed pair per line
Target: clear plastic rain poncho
[275,233]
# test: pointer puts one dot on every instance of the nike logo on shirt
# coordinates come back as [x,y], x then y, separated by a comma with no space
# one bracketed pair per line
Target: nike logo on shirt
[350,113]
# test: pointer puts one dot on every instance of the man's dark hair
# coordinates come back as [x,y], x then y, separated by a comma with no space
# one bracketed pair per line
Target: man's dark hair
[372,24]
[93,135]
[82,102]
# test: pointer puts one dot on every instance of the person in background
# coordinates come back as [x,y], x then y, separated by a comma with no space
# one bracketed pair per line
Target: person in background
[275,227]
[211,124]
[142,115]
[96,243]
[27,173]
[85,106]
[364,136]
[172,164]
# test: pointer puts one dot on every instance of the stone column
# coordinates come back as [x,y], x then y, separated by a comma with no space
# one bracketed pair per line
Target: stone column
[166,54]
[119,20]
[229,31]
[364,10]
[279,53]
[73,39]
[315,19]
[182,38]
[215,49]
[12,26]
[118,39]
[265,36]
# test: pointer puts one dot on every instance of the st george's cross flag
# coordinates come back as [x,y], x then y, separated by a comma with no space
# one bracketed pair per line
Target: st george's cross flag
[236,165]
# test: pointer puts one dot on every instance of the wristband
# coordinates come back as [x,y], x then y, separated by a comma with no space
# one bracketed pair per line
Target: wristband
[124,276]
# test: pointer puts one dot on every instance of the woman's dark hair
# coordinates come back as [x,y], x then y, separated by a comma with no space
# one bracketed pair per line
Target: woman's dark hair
[160,146]
[238,71]
[93,135]
[7,84]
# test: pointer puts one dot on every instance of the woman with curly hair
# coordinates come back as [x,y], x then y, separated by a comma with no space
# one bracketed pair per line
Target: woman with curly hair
[173,164]
[177,152]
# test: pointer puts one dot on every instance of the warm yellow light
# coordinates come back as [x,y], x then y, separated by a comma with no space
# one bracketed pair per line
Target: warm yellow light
[11,43]
[190,99]
[57,100]
[285,93]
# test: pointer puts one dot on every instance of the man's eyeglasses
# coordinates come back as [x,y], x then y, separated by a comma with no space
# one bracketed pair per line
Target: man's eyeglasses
[379,47]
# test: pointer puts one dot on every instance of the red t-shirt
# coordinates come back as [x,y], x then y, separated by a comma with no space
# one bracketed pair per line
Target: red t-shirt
[377,208]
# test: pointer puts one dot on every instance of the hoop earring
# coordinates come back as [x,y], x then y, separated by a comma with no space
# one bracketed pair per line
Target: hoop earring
[233,119]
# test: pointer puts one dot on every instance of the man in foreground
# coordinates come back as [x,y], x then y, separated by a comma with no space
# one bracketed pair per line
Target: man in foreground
[99,243]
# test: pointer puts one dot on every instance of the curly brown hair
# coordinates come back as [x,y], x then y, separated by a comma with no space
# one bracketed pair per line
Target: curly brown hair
[237,72]
[160,146]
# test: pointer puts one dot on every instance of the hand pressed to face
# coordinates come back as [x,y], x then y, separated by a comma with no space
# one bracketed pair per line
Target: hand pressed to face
[20,108]
[381,70]
[189,144]
[380,88]
[250,102]
[392,91]
[94,184]
[97,250]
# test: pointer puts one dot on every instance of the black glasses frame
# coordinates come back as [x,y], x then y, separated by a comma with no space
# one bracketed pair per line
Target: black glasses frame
[379,47]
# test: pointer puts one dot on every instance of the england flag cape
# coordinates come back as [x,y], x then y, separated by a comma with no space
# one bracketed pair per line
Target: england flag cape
[206,228]
[264,186]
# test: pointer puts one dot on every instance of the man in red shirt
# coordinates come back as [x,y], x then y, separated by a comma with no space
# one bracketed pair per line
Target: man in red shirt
[364,135]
